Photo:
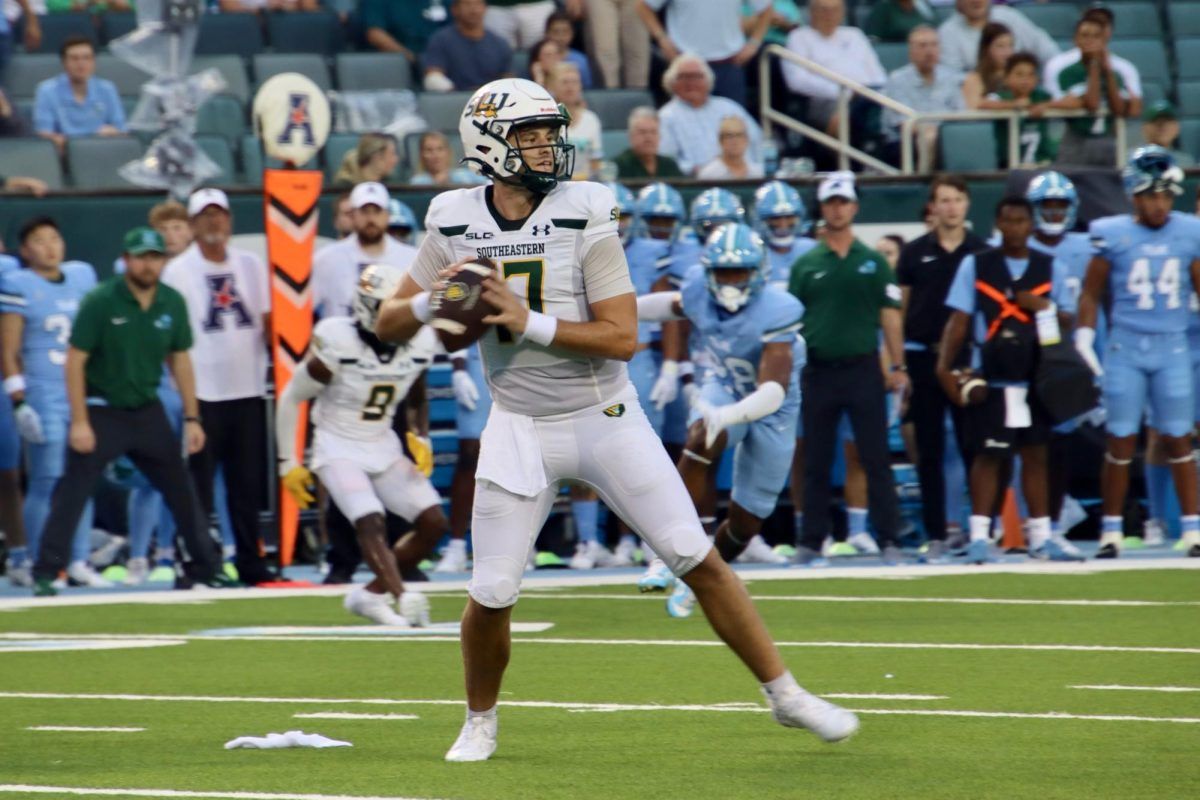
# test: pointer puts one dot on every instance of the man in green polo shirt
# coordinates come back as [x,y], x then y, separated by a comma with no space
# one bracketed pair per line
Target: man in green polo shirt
[126,328]
[849,294]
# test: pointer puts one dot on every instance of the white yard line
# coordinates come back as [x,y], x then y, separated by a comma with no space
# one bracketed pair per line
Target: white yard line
[833,598]
[1120,688]
[85,791]
[351,715]
[77,729]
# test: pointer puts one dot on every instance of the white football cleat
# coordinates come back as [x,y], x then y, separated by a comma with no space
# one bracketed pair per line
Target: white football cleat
[80,573]
[136,571]
[864,543]
[682,601]
[476,741]
[375,607]
[623,554]
[414,607]
[759,552]
[589,555]
[657,578]
[796,708]
[20,575]
[454,557]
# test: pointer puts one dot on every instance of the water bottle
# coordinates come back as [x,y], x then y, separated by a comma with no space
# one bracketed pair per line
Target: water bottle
[770,153]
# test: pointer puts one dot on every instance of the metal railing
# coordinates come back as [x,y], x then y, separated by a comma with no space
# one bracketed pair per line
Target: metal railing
[848,89]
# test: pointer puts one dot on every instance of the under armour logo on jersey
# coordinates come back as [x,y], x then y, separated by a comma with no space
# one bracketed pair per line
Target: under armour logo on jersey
[541,230]
[298,119]
[223,298]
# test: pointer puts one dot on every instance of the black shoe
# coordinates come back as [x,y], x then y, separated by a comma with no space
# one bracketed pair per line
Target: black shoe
[414,575]
[44,587]
[1194,551]
[1108,551]
[260,576]
[336,577]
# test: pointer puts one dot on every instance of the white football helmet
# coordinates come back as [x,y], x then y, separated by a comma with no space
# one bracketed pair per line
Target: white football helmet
[376,283]
[492,114]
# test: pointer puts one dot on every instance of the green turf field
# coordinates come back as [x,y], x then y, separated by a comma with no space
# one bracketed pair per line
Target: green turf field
[586,730]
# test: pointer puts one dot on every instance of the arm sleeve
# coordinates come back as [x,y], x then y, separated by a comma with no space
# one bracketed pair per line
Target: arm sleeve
[1098,238]
[784,321]
[325,347]
[603,216]
[605,271]
[85,328]
[887,278]
[433,256]
[961,296]
[12,298]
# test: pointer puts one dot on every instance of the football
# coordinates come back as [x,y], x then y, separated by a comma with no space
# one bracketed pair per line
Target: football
[459,307]
[972,389]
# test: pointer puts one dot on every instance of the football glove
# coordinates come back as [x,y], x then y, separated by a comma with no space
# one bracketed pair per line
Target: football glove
[666,388]
[422,452]
[466,393]
[29,424]
[297,481]
[1085,340]
[716,419]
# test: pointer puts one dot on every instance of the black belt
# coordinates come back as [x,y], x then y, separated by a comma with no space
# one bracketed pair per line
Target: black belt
[837,363]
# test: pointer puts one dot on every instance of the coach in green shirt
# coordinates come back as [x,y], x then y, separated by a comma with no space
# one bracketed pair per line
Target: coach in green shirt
[849,294]
[126,328]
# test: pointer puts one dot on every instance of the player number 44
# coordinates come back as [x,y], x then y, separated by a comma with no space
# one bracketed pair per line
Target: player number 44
[1143,287]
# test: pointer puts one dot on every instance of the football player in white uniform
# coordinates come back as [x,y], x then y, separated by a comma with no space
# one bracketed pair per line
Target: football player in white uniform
[358,381]
[564,409]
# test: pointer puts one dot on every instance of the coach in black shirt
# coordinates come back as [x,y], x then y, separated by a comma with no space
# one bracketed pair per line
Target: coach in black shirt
[926,268]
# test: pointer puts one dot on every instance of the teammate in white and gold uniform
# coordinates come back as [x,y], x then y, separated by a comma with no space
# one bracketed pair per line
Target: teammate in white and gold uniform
[564,409]
[358,382]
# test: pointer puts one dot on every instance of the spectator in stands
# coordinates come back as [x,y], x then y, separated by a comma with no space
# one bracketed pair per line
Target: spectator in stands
[560,29]
[1093,84]
[521,23]
[894,20]
[32,38]
[841,48]
[245,6]
[437,167]
[923,84]
[76,103]
[1123,67]
[889,246]
[403,28]
[642,159]
[542,57]
[691,118]
[170,219]
[732,164]
[1160,126]
[466,55]
[995,48]
[1022,92]
[619,42]
[713,31]
[15,184]
[228,301]
[343,223]
[585,131]
[374,159]
[960,33]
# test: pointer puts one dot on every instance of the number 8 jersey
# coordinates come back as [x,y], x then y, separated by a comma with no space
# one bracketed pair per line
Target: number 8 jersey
[1150,279]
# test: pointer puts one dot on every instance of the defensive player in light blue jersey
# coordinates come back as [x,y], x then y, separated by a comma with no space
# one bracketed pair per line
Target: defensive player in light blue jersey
[626,210]
[1150,263]
[778,215]
[750,391]
[19,568]
[39,306]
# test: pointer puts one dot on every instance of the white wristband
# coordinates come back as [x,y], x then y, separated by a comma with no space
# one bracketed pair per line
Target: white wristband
[687,369]
[14,384]
[1085,337]
[540,328]
[670,368]
[419,303]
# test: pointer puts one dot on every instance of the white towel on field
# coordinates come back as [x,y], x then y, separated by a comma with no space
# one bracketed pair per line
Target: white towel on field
[273,741]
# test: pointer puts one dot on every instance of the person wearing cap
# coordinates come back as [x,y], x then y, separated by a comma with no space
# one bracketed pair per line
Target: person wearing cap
[123,332]
[849,293]
[336,266]
[228,299]
[1160,126]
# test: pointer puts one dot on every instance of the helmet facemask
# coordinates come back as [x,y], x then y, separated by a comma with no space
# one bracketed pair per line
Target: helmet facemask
[514,170]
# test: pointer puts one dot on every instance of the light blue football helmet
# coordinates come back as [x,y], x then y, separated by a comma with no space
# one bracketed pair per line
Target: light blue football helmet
[1053,185]
[1152,169]
[714,207]
[735,245]
[656,204]
[401,216]
[626,208]
[772,201]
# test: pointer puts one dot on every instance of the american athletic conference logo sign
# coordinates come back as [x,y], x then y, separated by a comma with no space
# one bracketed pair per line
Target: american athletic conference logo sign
[298,119]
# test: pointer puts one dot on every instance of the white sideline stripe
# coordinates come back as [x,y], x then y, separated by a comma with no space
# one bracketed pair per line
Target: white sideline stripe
[625,579]
[78,729]
[1120,688]
[833,598]
[351,715]
[19,788]
[52,644]
[1072,648]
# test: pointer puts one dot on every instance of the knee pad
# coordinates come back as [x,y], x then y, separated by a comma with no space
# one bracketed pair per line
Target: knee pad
[681,545]
[496,581]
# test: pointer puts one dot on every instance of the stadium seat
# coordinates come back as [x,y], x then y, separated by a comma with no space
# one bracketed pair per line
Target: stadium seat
[968,146]
[232,69]
[309,64]
[32,158]
[57,28]
[115,24]
[519,65]
[372,72]
[305,32]
[441,110]
[1189,136]
[93,161]
[614,142]
[1135,19]
[239,34]
[219,150]
[27,70]
[1189,98]
[1148,55]
[893,55]
[1152,92]
[612,106]
[1189,68]
[254,160]
[222,115]
[335,150]
[127,78]
[1056,19]
[1184,18]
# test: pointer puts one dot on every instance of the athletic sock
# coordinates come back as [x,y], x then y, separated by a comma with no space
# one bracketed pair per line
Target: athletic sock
[856,521]
[456,545]
[981,527]
[586,513]
[17,556]
[165,557]
[1159,485]
[777,687]
[1189,524]
[1038,531]
[489,714]
[1111,529]
[628,540]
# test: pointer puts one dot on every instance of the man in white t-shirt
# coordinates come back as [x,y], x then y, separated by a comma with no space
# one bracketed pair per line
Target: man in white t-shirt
[229,307]
[336,267]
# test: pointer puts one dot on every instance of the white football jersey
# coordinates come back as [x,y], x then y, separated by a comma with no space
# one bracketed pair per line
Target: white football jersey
[542,259]
[361,400]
